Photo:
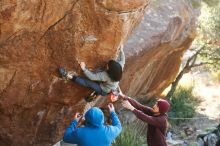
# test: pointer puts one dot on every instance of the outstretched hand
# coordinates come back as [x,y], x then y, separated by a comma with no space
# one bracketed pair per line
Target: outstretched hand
[77,117]
[111,107]
[121,95]
[83,65]
[126,104]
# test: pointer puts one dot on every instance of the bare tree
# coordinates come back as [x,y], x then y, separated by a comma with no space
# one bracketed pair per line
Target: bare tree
[192,62]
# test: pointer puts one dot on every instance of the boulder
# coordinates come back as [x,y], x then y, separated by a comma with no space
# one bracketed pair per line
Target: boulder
[155,48]
[38,37]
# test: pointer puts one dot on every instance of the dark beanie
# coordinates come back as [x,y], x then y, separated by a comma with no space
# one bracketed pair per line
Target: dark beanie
[163,106]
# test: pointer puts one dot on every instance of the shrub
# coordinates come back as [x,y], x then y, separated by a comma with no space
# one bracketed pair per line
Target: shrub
[130,136]
[216,76]
[183,105]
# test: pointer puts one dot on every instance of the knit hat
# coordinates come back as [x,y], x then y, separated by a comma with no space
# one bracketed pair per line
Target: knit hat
[163,106]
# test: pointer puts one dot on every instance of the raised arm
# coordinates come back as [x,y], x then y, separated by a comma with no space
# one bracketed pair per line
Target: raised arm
[139,106]
[121,57]
[116,125]
[99,76]
[70,135]
[115,128]
[95,76]
[156,121]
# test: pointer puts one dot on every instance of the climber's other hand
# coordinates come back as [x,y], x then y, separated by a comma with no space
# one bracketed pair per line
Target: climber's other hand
[83,65]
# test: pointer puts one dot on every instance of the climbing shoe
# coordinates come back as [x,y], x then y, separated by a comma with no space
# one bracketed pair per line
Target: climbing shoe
[91,97]
[63,72]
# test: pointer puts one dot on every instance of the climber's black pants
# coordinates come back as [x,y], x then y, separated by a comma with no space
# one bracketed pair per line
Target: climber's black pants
[89,84]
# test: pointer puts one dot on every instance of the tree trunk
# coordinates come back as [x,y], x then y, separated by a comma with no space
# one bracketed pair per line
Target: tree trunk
[174,84]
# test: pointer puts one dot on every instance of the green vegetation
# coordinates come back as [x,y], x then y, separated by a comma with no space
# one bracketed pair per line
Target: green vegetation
[130,136]
[183,105]
[195,3]
[209,22]
[216,76]
[207,42]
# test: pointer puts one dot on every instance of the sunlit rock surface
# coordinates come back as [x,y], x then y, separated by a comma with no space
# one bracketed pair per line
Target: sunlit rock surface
[155,48]
[37,37]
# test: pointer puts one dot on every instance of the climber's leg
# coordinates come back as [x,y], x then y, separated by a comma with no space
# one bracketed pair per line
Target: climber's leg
[89,84]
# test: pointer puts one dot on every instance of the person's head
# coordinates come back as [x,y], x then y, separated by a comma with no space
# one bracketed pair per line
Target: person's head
[161,107]
[114,70]
[94,117]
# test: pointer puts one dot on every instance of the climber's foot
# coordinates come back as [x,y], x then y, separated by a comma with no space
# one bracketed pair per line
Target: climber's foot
[91,97]
[71,74]
[63,72]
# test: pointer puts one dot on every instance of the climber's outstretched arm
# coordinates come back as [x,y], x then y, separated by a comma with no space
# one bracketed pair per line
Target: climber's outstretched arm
[95,76]
[121,57]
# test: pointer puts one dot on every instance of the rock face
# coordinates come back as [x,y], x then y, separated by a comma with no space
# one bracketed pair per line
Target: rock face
[155,48]
[37,37]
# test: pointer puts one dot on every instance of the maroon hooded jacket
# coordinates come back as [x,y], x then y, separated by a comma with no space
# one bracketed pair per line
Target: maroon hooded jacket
[157,125]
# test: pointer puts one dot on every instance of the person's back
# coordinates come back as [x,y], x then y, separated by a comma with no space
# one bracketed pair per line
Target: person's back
[94,133]
[109,85]
[90,136]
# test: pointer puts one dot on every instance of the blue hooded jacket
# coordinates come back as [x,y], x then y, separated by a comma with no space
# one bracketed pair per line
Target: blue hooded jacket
[95,133]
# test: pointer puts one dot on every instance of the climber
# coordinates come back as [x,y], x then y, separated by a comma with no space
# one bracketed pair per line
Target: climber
[103,82]
[94,132]
[155,117]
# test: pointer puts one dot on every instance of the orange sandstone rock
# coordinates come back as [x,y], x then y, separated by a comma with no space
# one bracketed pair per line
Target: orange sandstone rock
[37,37]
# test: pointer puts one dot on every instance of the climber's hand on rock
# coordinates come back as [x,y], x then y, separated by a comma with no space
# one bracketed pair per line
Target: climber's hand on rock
[121,47]
[83,65]
[111,107]
[77,117]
